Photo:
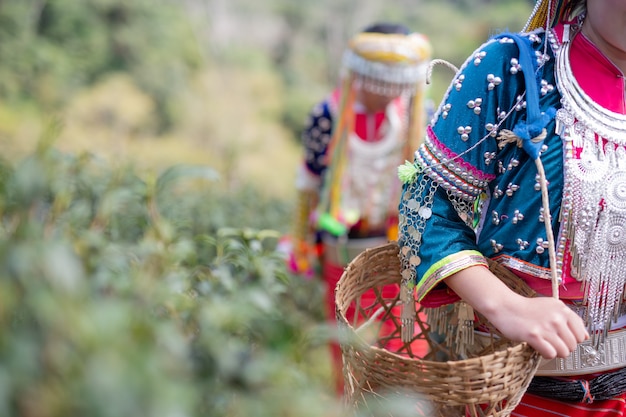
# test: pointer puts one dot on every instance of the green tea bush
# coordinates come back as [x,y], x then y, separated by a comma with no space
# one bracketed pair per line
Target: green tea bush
[126,296]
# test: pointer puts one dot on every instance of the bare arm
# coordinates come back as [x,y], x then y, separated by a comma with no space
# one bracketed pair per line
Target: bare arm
[546,323]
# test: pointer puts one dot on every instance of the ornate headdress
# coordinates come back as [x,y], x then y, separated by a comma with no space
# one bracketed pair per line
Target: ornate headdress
[388,63]
[548,13]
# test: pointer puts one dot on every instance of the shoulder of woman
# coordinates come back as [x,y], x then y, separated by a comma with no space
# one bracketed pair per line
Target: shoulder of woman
[504,48]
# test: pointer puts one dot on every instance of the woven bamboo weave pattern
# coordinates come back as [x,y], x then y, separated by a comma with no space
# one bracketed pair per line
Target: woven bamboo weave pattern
[490,382]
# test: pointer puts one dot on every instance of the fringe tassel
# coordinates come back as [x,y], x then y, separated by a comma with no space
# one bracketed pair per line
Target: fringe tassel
[455,323]
[437,319]
[407,315]
[465,327]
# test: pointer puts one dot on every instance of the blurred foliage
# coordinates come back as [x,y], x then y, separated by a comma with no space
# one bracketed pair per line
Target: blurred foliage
[100,110]
[226,83]
[50,50]
[124,296]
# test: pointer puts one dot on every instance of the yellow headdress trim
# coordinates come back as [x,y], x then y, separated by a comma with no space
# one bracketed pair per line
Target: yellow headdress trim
[392,48]
[388,64]
[546,13]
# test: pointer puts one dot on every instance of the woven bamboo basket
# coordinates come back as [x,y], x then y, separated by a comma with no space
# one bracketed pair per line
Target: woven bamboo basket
[489,382]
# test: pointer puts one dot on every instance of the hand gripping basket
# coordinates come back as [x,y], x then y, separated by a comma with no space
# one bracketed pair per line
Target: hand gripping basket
[376,363]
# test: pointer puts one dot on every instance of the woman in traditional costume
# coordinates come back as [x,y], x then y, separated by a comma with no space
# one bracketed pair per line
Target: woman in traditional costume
[354,140]
[540,110]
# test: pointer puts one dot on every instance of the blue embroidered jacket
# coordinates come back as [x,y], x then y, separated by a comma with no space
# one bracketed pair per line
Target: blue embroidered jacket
[477,194]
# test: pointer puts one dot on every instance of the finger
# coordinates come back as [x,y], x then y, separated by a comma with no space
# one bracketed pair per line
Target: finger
[578,328]
[575,331]
[572,331]
[568,338]
[541,343]
[562,345]
[545,349]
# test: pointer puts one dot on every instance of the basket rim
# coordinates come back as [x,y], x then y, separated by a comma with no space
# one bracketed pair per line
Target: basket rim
[364,346]
[484,379]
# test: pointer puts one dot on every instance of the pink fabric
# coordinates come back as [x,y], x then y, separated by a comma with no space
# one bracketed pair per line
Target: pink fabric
[597,76]
[332,273]
[362,121]
[595,73]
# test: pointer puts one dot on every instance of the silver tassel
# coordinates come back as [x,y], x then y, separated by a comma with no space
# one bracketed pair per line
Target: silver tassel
[408,312]
[465,327]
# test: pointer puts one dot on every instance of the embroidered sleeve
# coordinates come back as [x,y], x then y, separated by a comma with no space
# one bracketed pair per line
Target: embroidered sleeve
[439,208]
[316,137]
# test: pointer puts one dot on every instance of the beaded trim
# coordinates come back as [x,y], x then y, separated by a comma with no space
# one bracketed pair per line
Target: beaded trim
[460,179]
[448,266]
[524,267]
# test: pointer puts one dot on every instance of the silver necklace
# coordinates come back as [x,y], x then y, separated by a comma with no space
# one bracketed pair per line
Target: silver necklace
[607,124]
[594,196]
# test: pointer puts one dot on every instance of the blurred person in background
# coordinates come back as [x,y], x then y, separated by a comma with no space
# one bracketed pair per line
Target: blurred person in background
[353,143]
[525,164]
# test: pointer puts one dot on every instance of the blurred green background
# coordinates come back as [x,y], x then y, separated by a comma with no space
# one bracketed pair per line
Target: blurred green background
[147,159]
[226,83]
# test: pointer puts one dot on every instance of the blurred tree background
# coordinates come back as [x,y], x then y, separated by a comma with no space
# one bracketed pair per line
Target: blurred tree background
[146,175]
[226,83]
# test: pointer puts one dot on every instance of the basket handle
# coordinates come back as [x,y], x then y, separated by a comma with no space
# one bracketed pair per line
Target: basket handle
[547,221]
